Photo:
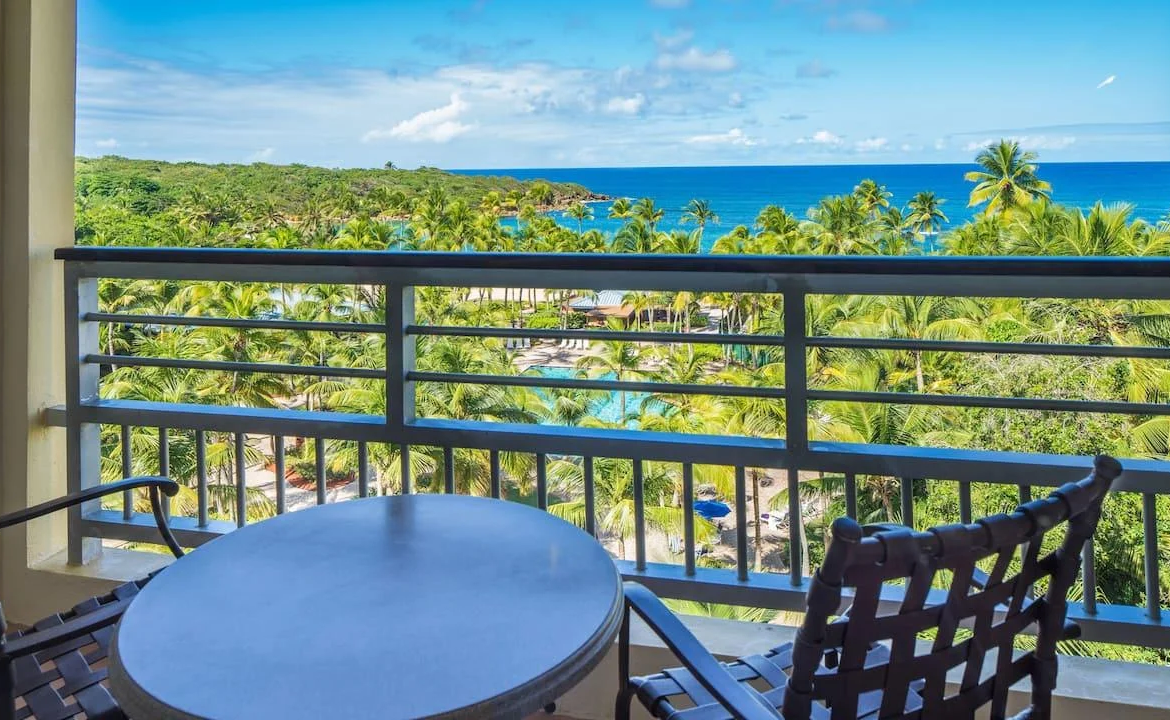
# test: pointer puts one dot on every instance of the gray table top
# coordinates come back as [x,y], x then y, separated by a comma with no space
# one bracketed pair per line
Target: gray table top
[416,606]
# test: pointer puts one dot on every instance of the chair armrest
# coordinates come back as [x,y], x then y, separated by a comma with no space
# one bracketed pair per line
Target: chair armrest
[742,701]
[874,528]
[33,641]
[158,486]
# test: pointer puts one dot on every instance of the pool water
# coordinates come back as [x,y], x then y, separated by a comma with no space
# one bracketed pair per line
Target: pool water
[606,406]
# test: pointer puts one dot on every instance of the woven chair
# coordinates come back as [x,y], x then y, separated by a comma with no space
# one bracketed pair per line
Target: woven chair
[56,669]
[865,662]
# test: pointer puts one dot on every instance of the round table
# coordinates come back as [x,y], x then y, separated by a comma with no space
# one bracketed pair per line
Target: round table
[415,606]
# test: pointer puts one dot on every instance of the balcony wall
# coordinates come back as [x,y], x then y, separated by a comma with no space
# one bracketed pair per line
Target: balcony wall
[37,67]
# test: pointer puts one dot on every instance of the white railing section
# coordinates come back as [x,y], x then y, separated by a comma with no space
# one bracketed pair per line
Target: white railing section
[400,274]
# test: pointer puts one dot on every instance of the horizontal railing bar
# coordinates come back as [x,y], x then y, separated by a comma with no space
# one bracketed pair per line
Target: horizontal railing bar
[246,323]
[750,281]
[1123,624]
[967,346]
[231,366]
[608,385]
[988,466]
[218,418]
[985,466]
[142,528]
[697,338]
[598,442]
[990,401]
[770,264]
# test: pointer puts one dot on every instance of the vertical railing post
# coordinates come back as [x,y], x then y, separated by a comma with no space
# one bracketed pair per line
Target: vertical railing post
[127,471]
[906,488]
[400,345]
[241,447]
[1150,548]
[639,516]
[796,419]
[82,440]
[201,476]
[1089,577]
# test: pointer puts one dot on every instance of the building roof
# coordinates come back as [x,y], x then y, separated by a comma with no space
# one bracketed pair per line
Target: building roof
[604,298]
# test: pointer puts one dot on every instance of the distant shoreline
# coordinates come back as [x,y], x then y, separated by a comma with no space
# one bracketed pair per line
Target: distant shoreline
[503,172]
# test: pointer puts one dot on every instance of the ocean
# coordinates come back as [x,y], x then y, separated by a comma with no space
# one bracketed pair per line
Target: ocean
[737,194]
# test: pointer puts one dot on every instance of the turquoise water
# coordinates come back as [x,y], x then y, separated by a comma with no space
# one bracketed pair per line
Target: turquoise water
[738,193]
[607,406]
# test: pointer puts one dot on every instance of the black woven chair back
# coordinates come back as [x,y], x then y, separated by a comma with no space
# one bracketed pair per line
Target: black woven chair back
[1030,560]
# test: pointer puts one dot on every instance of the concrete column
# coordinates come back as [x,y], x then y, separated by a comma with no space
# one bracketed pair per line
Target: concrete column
[38,59]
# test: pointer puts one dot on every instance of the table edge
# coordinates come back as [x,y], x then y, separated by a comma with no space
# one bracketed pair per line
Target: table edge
[518,701]
[538,693]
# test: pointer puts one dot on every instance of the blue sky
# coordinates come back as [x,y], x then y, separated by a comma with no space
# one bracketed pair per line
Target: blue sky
[521,83]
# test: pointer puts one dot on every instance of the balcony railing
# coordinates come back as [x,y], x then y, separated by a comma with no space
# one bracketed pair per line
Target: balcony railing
[397,277]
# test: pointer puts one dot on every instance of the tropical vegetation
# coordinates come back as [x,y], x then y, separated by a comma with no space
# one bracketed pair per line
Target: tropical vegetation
[135,203]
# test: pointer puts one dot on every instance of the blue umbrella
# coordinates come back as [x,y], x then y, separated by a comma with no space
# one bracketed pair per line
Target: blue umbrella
[711,509]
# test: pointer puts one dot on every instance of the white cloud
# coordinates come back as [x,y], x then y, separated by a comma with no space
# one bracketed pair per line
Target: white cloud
[821,137]
[439,125]
[734,136]
[108,143]
[626,105]
[1107,81]
[873,144]
[1027,142]
[522,114]
[261,155]
[1045,142]
[679,39]
[735,100]
[695,60]
[859,21]
[907,147]
[814,69]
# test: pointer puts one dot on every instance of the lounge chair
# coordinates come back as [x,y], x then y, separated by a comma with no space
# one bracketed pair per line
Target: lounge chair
[56,668]
[866,663]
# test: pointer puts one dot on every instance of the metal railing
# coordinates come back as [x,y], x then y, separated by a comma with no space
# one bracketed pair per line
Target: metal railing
[398,275]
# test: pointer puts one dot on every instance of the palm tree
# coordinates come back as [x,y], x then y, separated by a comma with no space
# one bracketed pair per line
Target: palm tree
[926,215]
[620,358]
[646,211]
[758,417]
[840,225]
[635,237]
[873,197]
[541,194]
[681,242]
[620,209]
[877,423]
[613,483]
[919,318]
[776,220]
[1008,178]
[984,236]
[735,242]
[580,212]
[1104,231]
[896,237]
[700,213]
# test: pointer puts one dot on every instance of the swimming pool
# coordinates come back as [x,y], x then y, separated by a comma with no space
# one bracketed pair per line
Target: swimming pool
[606,406]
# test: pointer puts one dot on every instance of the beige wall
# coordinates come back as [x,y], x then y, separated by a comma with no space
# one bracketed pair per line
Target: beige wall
[38,64]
